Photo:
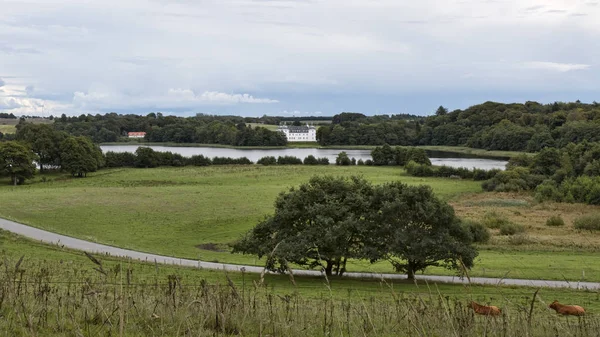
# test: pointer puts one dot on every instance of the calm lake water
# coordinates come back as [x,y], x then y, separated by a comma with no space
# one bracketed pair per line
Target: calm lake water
[255,155]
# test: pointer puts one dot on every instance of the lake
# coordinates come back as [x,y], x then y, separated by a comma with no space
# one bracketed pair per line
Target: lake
[256,154]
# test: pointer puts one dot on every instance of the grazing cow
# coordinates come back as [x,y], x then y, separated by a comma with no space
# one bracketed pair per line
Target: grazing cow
[573,310]
[487,310]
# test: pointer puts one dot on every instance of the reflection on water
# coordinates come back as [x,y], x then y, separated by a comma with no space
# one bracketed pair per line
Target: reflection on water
[331,154]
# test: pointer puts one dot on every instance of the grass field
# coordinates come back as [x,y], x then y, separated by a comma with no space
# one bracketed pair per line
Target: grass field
[266,126]
[59,292]
[171,211]
[197,212]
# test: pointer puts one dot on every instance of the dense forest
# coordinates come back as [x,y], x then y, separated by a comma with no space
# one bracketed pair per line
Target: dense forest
[227,130]
[492,126]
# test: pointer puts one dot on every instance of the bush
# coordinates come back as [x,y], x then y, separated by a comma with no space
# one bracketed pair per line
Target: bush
[494,220]
[289,160]
[199,160]
[555,221]
[311,160]
[419,170]
[511,229]
[343,159]
[119,159]
[231,161]
[479,232]
[590,222]
[519,239]
[360,162]
[323,161]
[269,160]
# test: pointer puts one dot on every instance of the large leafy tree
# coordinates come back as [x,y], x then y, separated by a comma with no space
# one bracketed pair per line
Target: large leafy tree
[44,141]
[320,223]
[329,220]
[79,156]
[16,161]
[413,229]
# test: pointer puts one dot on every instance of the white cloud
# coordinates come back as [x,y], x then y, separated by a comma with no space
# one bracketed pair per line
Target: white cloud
[555,66]
[2,83]
[300,113]
[215,97]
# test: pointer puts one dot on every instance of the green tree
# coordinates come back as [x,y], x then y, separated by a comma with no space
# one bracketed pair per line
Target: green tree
[319,223]
[44,141]
[146,157]
[16,161]
[441,111]
[343,159]
[413,229]
[79,156]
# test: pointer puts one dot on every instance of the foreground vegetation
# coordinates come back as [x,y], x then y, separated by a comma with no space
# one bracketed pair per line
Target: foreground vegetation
[58,292]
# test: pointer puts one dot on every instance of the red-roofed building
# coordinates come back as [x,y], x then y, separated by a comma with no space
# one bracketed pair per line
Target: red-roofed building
[136,134]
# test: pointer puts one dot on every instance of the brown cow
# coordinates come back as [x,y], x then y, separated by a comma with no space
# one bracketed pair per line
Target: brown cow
[573,310]
[487,310]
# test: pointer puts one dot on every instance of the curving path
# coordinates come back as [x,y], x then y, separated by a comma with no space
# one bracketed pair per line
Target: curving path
[91,247]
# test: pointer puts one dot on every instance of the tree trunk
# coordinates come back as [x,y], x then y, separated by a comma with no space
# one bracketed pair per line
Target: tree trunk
[410,270]
[329,268]
[343,267]
[15,180]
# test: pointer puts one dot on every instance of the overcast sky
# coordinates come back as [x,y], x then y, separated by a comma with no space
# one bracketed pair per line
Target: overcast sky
[301,57]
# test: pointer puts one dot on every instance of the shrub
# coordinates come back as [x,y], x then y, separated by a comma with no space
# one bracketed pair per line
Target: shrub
[590,222]
[323,161]
[479,232]
[231,161]
[199,160]
[311,160]
[494,220]
[343,159]
[268,160]
[360,162]
[519,239]
[289,160]
[555,221]
[369,162]
[511,229]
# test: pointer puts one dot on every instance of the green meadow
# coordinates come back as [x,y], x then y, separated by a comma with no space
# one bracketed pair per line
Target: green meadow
[196,212]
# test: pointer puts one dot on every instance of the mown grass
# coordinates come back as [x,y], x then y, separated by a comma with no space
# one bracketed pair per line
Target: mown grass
[58,292]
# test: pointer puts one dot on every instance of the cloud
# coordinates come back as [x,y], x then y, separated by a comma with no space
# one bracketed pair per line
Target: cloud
[300,113]
[554,66]
[216,97]
[244,56]
[2,83]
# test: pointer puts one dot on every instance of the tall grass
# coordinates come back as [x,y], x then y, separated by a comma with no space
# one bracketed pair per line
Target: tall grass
[39,301]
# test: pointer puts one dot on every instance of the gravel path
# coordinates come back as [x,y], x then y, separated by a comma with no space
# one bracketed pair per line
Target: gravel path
[91,247]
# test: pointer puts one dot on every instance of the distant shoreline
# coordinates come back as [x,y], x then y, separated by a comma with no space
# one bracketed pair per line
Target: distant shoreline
[458,150]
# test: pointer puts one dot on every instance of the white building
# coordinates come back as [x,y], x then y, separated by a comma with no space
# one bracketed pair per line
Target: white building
[299,133]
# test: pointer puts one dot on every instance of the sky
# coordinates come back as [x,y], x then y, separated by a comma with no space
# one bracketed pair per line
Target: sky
[293,57]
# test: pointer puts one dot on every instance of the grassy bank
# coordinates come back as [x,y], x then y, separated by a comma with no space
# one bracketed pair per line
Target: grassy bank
[58,292]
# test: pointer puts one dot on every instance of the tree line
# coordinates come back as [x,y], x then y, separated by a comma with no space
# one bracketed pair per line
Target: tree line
[50,149]
[530,126]
[327,221]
